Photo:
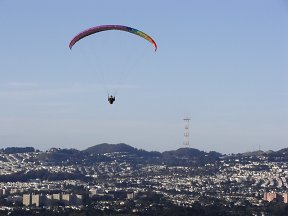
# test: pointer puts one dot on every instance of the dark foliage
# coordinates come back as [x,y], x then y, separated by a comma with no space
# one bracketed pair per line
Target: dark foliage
[43,175]
[189,157]
[14,150]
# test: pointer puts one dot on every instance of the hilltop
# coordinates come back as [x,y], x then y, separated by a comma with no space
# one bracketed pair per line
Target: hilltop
[109,148]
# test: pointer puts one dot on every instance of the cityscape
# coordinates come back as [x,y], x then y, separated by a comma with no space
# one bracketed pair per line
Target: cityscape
[119,179]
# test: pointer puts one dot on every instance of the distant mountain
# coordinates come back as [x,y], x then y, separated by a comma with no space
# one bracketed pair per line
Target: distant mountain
[276,156]
[109,148]
[14,150]
[184,152]
[57,155]
[189,156]
[270,152]
[123,148]
[190,153]
[254,153]
[281,155]
[179,157]
[283,151]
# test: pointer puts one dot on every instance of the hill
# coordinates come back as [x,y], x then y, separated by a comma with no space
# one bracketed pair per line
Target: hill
[122,151]
[189,157]
[14,150]
[110,148]
[180,157]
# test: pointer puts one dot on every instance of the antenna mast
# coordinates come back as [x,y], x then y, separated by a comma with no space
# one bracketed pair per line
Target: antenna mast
[186,141]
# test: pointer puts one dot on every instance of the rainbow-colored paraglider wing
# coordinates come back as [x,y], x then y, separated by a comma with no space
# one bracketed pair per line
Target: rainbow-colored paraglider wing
[97,29]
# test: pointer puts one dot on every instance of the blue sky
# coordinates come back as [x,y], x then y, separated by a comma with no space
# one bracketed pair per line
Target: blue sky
[223,62]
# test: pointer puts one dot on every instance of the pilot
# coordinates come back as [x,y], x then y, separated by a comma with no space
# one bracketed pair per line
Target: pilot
[111,99]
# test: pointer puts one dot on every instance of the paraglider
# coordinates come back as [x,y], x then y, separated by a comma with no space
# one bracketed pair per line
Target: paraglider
[101,28]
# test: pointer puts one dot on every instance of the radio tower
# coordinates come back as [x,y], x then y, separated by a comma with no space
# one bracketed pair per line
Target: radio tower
[186,141]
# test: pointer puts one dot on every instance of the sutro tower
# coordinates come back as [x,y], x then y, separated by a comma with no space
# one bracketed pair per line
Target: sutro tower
[186,141]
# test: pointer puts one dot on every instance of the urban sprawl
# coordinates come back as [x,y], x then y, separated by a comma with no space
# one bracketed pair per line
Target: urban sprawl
[116,180]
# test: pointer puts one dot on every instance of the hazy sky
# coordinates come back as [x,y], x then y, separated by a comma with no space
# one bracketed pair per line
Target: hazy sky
[223,62]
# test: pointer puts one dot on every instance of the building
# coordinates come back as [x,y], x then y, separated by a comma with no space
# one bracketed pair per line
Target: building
[37,200]
[67,199]
[285,197]
[2,192]
[14,190]
[272,196]
[57,196]
[51,199]
[130,195]
[96,191]
[26,199]
[72,199]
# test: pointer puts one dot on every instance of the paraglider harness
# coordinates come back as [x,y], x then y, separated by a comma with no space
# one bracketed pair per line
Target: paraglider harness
[111,99]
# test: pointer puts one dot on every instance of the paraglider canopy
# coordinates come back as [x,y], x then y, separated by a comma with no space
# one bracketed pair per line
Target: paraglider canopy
[100,28]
